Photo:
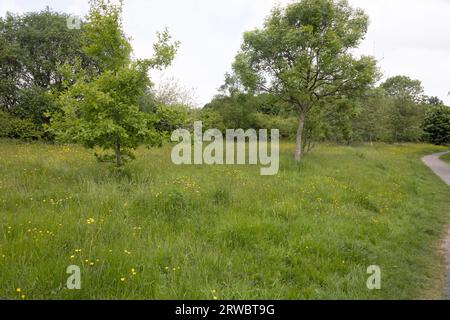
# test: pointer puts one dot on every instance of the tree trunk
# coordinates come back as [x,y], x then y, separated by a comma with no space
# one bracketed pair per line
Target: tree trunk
[118,155]
[299,148]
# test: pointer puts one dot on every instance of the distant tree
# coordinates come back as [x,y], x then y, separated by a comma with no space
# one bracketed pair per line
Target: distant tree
[434,101]
[103,111]
[171,103]
[236,111]
[303,54]
[211,119]
[33,46]
[170,92]
[407,109]
[437,125]
[404,88]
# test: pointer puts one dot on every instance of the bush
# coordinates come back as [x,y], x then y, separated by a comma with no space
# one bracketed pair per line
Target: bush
[211,119]
[16,128]
[437,125]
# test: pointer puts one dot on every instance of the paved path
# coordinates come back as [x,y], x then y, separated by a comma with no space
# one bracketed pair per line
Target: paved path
[442,169]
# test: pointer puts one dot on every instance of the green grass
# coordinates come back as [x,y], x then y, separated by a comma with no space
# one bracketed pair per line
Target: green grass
[446,157]
[201,232]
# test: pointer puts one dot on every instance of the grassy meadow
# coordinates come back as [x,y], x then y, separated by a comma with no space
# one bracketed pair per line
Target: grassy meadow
[160,231]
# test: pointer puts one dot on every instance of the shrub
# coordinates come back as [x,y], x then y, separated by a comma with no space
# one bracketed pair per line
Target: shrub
[437,125]
[16,128]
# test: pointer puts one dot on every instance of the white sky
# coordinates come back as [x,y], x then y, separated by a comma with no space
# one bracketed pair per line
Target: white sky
[410,37]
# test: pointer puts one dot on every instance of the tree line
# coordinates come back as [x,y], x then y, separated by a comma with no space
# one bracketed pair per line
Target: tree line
[297,74]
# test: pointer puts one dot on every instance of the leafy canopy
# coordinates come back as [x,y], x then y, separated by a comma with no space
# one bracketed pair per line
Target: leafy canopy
[33,46]
[303,53]
[403,88]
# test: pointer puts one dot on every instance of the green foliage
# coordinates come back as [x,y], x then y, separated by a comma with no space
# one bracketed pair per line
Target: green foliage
[437,125]
[263,111]
[211,119]
[171,118]
[374,115]
[103,36]
[236,111]
[405,121]
[434,101]
[285,125]
[403,88]
[303,47]
[338,115]
[104,110]
[407,110]
[372,121]
[33,46]
[17,128]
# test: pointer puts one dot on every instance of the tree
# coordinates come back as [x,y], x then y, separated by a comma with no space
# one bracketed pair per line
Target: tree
[404,88]
[103,111]
[32,48]
[170,92]
[407,108]
[303,54]
[437,125]
[236,111]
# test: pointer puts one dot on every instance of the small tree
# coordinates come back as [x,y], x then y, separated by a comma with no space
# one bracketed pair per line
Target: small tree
[404,88]
[303,54]
[103,110]
[407,109]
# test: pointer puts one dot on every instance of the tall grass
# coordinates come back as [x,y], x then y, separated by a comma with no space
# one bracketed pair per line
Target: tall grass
[160,231]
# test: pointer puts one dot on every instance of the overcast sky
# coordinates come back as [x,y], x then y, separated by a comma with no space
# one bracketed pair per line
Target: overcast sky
[408,37]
